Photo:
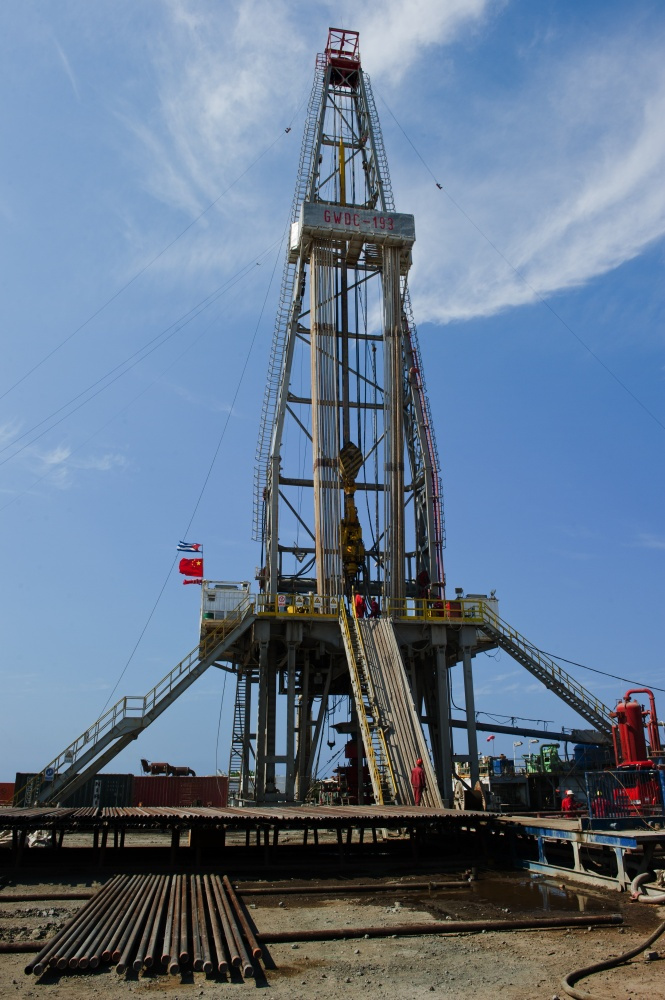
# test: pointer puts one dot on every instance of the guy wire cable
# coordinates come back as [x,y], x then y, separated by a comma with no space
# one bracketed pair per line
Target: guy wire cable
[205,481]
[201,306]
[153,259]
[521,276]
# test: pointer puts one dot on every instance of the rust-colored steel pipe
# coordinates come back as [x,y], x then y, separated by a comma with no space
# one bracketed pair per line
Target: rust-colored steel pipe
[40,962]
[168,929]
[89,920]
[174,965]
[222,910]
[197,956]
[222,964]
[132,934]
[241,957]
[445,927]
[42,897]
[206,963]
[323,890]
[125,927]
[77,955]
[11,947]
[147,948]
[183,951]
[244,923]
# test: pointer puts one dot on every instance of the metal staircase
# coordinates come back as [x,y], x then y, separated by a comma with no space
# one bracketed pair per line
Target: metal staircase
[547,671]
[237,764]
[376,751]
[122,723]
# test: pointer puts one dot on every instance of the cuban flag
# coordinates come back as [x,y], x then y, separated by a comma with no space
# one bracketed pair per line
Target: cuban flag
[189,547]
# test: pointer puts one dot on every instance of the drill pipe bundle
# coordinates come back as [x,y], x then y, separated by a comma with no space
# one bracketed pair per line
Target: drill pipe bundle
[178,921]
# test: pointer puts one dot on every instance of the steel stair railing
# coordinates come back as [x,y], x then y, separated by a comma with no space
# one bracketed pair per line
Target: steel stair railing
[548,671]
[376,751]
[236,757]
[130,715]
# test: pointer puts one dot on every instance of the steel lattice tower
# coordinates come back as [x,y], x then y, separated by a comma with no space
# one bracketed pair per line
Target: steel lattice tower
[345,374]
[347,506]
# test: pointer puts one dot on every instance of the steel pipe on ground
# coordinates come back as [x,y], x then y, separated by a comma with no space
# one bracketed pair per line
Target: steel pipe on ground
[231,941]
[76,954]
[350,889]
[222,964]
[124,930]
[49,897]
[75,926]
[242,919]
[133,921]
[206,959]
[131,937]
[243,957]
[146,952]
[446,927]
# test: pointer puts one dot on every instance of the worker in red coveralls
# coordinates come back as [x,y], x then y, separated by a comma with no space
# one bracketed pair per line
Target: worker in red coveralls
[374,609]
[568,804]
[359,604]
[418,781]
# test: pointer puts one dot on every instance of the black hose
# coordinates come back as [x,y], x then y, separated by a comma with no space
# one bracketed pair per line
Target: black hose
[610,963]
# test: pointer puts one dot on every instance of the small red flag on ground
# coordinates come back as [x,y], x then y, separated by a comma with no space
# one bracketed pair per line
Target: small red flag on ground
[191,567]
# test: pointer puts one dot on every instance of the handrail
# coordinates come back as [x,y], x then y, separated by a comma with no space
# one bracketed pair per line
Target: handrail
[376,713]
[467,611]
[548,665]
[135,706]
[362,718]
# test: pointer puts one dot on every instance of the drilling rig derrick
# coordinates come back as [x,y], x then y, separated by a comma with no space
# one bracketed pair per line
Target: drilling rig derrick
[348,511]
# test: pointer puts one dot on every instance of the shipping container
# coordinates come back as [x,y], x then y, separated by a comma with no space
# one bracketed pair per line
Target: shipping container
[160,790]
[6,793]
[100,790]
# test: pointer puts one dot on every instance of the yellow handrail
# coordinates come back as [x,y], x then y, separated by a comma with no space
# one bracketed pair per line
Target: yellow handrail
[362,718]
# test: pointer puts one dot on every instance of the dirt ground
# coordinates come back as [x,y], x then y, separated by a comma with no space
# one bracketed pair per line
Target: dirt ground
[521,965]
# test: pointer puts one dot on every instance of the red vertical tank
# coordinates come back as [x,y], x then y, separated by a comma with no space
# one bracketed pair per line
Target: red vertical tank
[630,745]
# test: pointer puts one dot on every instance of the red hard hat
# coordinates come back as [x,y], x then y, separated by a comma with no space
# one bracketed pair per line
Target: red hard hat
[419,761]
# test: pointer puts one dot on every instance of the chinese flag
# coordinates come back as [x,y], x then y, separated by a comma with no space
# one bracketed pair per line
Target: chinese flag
[191,567]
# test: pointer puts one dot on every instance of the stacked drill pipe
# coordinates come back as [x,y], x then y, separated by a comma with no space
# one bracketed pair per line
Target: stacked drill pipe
[178,921]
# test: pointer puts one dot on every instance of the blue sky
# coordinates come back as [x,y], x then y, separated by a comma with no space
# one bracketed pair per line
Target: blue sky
[537,287]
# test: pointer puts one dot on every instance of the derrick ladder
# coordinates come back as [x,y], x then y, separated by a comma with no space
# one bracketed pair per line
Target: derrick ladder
[376,751]
[548,671]
[122,723]
[236,757]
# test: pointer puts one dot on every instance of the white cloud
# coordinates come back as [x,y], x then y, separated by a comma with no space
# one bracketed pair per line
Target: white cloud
[67,68]
[566,183]
[647,541]
[395,34]
[59,463]
[562,174]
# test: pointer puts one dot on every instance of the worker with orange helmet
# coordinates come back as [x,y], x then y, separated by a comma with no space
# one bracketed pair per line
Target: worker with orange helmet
[418,781]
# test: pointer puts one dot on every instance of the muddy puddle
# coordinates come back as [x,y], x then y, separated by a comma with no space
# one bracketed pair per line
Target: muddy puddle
[492,896]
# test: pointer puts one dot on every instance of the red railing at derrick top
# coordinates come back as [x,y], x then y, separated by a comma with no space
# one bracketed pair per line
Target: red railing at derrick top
[343,48]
